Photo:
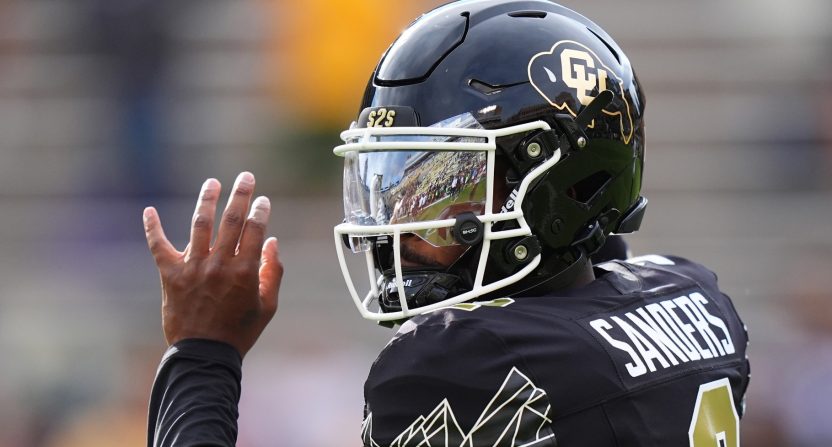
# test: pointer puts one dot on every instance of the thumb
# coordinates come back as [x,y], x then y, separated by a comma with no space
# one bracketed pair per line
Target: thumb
[271,274]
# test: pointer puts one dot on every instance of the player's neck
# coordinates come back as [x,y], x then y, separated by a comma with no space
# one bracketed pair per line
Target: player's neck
[585,276]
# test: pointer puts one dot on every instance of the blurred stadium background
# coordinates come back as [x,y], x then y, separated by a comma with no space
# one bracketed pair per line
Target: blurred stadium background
[108,106]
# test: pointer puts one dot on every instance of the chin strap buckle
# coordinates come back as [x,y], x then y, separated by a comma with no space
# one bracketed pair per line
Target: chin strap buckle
[591,240]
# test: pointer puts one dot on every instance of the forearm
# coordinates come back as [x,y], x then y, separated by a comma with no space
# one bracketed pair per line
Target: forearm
[195,396]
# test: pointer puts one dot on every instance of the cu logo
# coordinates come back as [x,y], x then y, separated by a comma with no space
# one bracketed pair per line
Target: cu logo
[571,75]
[579,72]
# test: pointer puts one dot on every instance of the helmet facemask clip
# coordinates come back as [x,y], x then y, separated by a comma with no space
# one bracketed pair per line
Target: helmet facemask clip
[532,150]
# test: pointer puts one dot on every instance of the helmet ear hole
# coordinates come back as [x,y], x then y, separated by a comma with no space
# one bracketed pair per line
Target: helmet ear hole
[586,189]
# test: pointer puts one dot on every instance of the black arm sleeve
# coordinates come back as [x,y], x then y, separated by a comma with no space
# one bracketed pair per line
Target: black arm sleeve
[195,396]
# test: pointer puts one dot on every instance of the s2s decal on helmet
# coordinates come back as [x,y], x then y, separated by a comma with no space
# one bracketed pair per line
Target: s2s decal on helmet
[381,117]
[582,72]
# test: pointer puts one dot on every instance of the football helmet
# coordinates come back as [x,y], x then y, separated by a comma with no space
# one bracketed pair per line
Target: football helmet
[507,133]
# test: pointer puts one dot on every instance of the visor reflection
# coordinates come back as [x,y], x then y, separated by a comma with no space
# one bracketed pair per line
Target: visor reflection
[414,186]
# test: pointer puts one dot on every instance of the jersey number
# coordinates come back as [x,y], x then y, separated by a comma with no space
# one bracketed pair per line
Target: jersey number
[715,421]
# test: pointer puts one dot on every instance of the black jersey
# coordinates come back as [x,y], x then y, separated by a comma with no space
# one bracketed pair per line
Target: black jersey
[195,395]
[651,353]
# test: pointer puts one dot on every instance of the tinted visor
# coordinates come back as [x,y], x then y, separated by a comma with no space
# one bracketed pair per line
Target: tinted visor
[395,187]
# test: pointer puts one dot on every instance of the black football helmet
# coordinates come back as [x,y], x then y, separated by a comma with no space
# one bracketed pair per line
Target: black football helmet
[511,130]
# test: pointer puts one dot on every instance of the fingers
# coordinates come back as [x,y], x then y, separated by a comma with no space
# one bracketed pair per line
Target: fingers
[233,218]
[254,232]
[271,273]
[160,247]
[202,225]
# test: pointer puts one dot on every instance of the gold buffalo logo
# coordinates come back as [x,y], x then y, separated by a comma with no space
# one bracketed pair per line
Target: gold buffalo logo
[572,67]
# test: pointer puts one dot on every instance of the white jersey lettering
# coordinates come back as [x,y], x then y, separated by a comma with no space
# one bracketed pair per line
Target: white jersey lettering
[636,366]
[667,333]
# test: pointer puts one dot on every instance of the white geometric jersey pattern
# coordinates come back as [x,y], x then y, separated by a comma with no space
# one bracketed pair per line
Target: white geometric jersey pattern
[517,416]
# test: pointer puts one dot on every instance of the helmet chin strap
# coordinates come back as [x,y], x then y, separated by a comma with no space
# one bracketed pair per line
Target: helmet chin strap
[540,283]
[575,267]
[421,288]
[426,286]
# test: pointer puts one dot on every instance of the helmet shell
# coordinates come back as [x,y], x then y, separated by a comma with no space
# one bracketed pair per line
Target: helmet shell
[510,62]
[518,61]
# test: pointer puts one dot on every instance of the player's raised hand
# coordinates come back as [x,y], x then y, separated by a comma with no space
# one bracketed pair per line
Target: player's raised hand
[225,292]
